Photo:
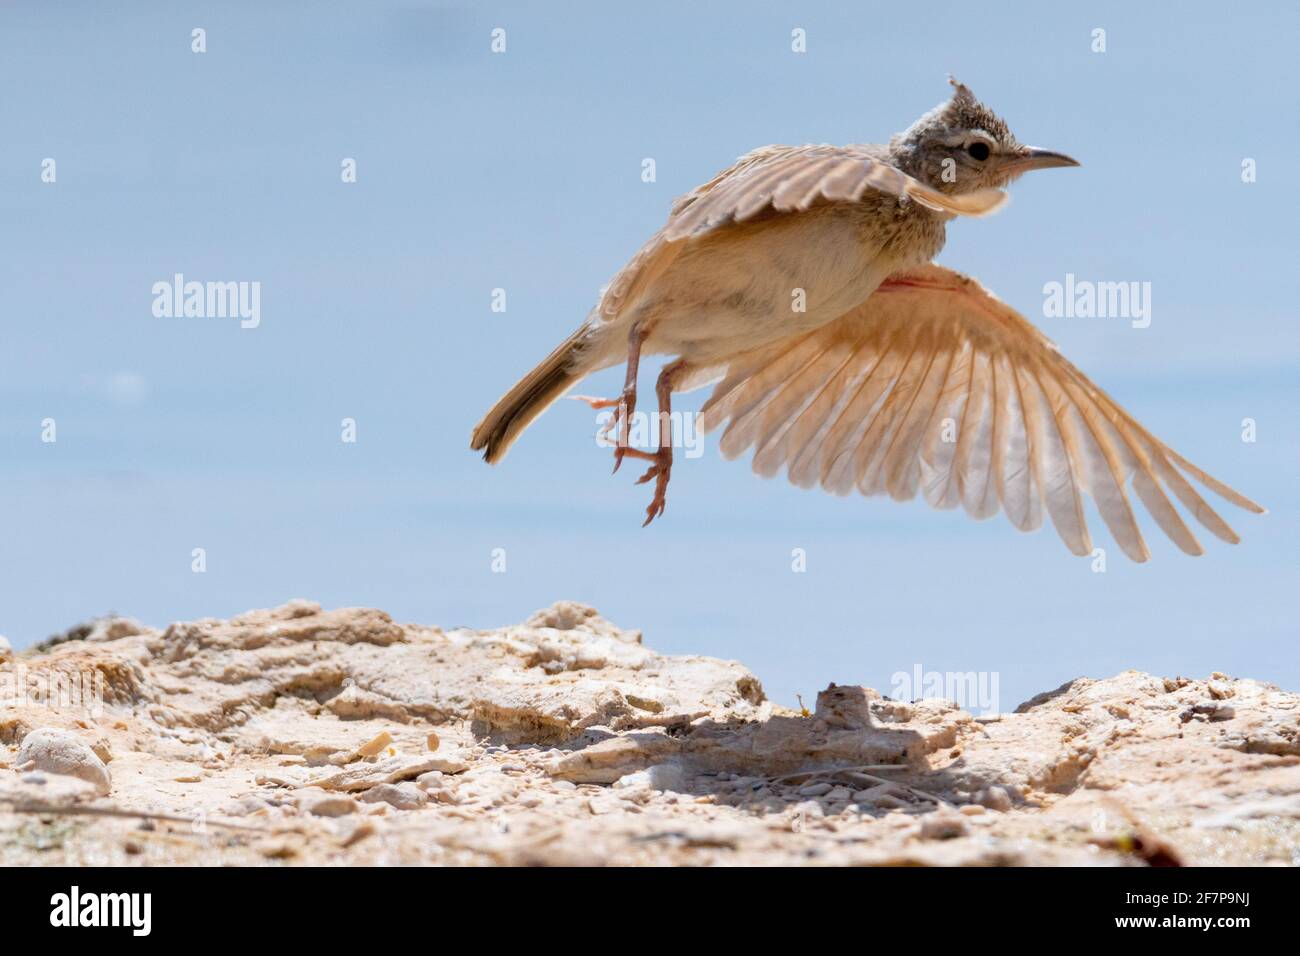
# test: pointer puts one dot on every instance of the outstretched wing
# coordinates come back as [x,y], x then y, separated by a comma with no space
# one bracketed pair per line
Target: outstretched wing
[787,179]
[935,384]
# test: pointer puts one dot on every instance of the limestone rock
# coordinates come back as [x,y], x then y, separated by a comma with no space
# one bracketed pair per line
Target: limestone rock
[341,737]
[401,796]
[322,804]
[366,775]
[35,788]
[59,752]
[660,776]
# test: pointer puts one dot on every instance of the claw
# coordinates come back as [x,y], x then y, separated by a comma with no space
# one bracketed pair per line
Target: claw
[660,471]
[653,470]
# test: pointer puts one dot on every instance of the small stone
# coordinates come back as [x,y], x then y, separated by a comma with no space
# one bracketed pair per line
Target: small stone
[872,794]
[839,793]
[58,751]
[366,775]
[1217,689]
[375,746]
[103,750]
[400,796]
[997,798]
[245,806]
[433,741]
[564,785]
[942,826]
[660,776]
[971,809]
[433,780]
[815,789]
[322,804]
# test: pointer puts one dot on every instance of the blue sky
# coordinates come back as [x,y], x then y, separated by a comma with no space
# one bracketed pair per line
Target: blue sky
[522,171]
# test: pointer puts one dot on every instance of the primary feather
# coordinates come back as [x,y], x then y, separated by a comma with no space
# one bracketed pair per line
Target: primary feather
[934,385]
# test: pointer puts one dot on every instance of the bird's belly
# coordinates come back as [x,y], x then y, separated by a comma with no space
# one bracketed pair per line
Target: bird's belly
[752,287]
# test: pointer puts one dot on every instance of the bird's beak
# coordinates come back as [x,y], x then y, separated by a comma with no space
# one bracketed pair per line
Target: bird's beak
[1031,157]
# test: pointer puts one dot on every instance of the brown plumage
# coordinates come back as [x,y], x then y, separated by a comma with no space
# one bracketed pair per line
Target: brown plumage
[899,376]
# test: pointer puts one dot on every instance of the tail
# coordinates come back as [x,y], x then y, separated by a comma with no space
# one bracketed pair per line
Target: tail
[532,395]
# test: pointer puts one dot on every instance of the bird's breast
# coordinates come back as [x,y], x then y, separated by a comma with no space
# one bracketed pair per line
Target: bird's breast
[752,284]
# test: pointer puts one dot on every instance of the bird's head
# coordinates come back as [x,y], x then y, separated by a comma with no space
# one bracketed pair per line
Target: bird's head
[962,145]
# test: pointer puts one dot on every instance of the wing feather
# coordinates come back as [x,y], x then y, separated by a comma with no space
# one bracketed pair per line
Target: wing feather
[1054,467]
[939,453]
[1014,473]
[872,400]
[788,179]
[975,445]
[902,462]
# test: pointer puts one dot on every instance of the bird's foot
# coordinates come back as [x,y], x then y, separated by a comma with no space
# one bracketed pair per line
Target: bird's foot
[661,471]
[618,428]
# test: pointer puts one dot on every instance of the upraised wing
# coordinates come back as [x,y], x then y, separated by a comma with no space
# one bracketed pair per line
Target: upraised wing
[787,179]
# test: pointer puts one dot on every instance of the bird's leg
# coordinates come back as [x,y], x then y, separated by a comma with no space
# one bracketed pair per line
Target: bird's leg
[662,468]
[625,403]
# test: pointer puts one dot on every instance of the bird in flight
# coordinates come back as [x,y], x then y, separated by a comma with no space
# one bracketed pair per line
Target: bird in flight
[800,280]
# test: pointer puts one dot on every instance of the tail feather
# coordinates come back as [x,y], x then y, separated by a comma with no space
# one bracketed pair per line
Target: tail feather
[531,396]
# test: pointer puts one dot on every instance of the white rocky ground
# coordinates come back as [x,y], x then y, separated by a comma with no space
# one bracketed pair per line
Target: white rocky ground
[297,735]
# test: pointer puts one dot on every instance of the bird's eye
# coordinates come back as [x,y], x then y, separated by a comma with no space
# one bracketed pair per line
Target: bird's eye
[978,150]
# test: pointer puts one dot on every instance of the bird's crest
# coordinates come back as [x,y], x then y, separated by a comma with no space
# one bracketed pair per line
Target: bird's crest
[962,112]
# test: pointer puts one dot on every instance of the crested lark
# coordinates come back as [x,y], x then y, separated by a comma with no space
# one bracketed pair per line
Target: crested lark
[897,374]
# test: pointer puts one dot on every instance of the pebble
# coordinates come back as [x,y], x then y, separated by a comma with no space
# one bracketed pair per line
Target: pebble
[660,776]
[971,809]
[814,789]
[58,751]
[996,798]
[872,794]
[942,826]
[376,745]
[245,806]
[433,780]
[326,804]
[839,793]
[400,796]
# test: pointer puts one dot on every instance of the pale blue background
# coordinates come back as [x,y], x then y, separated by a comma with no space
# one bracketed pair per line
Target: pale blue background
[523,171]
